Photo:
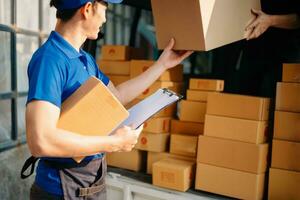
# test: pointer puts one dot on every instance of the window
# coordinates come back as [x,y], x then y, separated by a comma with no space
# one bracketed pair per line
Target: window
[17,47]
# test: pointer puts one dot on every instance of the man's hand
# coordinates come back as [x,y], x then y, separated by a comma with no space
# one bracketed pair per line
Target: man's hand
[126,138]
[170,58]
[259,25]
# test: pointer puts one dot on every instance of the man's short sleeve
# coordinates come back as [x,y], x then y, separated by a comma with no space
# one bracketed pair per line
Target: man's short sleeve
[46,80]
[100,75]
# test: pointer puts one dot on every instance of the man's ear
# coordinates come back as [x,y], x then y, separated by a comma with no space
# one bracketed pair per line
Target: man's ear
[86,10]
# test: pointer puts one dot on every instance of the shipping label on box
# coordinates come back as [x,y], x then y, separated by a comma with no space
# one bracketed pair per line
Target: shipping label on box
[228,182]
[184,145]
[192,111]
[121,53]
[139,66]
[201,24]
[173,174]
[186,128]
[206,85]
[154,157]
[127,160]
[287,126]
[233,154]
[238,106]
[291,72]
[154,142]
[288,97]
[114,67]
[236,129]
[284,184]
[286,155]
[157,125]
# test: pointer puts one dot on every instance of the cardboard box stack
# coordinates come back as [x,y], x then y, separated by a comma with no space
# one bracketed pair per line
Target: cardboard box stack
[232,153]
[155,138]
[284,178]
[176,170]
[115,63]
[171,79]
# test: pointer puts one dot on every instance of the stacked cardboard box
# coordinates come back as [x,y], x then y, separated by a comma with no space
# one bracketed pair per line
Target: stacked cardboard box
[171,79]
[284,179]
[232,154]
[156,134]
[177,171]
[185,131]
[115,62]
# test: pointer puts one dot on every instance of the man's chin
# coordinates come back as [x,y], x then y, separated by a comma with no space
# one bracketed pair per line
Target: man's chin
[93,37]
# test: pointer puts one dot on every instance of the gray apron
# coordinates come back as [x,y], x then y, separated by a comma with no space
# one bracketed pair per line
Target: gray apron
[83,181]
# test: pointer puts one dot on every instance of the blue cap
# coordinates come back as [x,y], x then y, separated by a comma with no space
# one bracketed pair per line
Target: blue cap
[72,4]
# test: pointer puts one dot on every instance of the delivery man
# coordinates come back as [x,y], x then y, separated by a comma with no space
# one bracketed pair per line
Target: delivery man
[55,71]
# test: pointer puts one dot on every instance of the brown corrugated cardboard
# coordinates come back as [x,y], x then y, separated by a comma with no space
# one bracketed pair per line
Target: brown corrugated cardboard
[238,106]
[155,142]
[169,111]
[86,107]
[121,53]
[236,129]
[154,157]
[291,73]
[287,126]
[207,84]
[201,25]
[117,80]
[186,128]
[127,160]
[288,97]
[174,86]
[137,67]
[114,67]
[183,145]
[233,183]
[192,111]
[286,155]
[173,174]
[197,95]
[157,125]
[233,154]
[284,184]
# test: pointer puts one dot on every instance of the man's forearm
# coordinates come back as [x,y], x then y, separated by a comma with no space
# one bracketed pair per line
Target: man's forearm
[65,144]
[134,87]
[291,21]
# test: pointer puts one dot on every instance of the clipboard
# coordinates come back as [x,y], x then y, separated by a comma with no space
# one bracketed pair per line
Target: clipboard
[145,109]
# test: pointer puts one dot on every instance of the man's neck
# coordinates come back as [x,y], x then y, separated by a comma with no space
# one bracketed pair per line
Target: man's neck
[71,33]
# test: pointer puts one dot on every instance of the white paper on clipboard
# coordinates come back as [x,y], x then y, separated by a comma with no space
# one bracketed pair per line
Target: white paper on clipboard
[145,109]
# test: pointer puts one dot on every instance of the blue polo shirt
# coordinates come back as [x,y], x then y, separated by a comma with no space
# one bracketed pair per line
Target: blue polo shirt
[55,71]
